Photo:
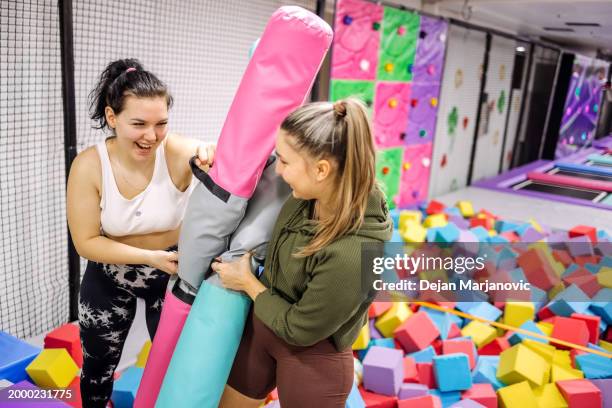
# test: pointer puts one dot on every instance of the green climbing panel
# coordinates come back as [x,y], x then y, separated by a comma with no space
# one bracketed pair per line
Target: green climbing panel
[388,172]
[398,45]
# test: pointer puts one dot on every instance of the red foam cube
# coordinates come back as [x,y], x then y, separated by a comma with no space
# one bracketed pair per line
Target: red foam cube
[378,308]
[426,401]
[483,394]
[570,330]
[562,256]
[426,374]
[537,269]
[373,400]
[434,207]
[66,337]
[592,323]
[581,230]
[416,332]
[411,373]
[454,331]
[580,393]
[460,346]
[494,347]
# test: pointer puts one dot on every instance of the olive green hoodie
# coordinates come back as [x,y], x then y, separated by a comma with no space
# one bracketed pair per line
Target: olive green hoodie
[321,296]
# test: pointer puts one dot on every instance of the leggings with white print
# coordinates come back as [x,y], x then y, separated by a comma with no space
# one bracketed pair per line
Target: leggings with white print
[107,306]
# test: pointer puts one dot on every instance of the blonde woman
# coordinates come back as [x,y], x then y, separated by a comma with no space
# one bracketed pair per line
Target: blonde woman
[311,302]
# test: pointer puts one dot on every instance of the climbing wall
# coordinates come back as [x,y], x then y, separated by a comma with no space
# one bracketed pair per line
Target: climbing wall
[494,114]
[582,103]
[392,59]
[457,113]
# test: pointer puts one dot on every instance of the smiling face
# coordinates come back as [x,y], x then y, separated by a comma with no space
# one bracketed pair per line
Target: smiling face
[308,177]
[141,126]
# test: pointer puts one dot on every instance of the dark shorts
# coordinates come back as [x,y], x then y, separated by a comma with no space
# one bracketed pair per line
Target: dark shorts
[315,376]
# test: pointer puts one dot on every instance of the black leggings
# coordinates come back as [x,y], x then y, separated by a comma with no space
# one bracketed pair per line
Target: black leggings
[107,306]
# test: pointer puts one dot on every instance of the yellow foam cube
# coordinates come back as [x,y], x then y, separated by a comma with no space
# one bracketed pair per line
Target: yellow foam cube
[363,339]
[535,225]
[517,395]
[548,396]
[546,328]
[562,358]
[466,208]
[413,232]
[409,217]
[555,290]
[392,318]
[520,363]
[481,333]
[435,220]
[492,233]
[605,345]
[546,351]
[558,373]
[604,277]
[517,313]
[143,356]
[52,368]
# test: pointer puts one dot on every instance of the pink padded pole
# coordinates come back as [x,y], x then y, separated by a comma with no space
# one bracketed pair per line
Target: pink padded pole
[248,135]
[171,322]
[570,181]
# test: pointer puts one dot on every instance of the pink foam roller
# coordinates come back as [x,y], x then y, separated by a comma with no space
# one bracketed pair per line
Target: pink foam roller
[171,324]
[570,181]
[279,75]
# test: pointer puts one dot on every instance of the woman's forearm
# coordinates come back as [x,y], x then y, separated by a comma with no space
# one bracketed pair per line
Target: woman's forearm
[253,288]
[104,250]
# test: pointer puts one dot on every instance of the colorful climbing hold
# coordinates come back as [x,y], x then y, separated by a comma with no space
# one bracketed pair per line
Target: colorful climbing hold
[407,166]
[364,64]
[347,20]
[409,68]
[376,26]
[385,170]
[577,92]
[501,101]
[392,103]
[595,108]
[425,161]
[466,121]
[422,34]
[402,135]
[434,102]
[431,69]
[414,102]
[401,30]
[453,118]
[422,133]
[389,67]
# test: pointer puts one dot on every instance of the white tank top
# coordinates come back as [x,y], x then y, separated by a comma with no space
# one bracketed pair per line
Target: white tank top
[160,207]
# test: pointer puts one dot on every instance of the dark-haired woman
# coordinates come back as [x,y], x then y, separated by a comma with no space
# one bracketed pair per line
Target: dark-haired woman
[126,200]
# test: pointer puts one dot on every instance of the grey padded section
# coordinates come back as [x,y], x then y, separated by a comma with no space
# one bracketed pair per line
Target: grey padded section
[207,226]
[255,229]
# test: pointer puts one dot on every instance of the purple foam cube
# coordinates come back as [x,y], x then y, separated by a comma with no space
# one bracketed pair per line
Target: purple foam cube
[374,333]
[467,403]
[459,221]
[531,235]
[383,370]
[579,246]
[606,390]
[5,402]
[410,390]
